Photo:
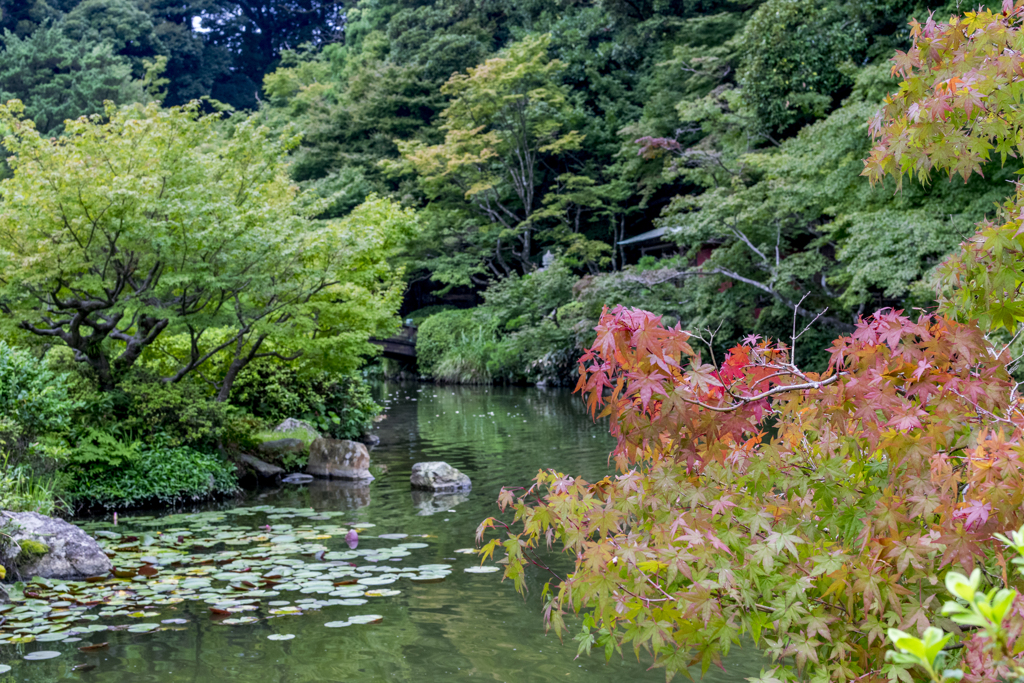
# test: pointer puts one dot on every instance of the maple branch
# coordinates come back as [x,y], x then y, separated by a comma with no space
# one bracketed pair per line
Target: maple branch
[765,394]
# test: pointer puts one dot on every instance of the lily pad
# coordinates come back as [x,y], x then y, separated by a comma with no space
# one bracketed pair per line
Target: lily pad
[337,624]
[378,580]
[41,654]
[281,636]
[365,619]
[486,569]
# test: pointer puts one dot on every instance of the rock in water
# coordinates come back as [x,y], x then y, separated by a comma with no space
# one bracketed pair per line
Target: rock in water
[292,425]
[339,459]
[263,470]
[51,548]
[281,447]
[438,476]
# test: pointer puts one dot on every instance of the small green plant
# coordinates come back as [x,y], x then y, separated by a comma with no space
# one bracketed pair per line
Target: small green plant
[985,612]
[101,447]
[21,491]
[31,549]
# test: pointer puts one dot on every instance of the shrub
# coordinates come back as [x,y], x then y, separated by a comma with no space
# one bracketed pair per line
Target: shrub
[516,302]
[442,332]
[185,413]
[338,405]
[466,364]
[33,401]
[158,474]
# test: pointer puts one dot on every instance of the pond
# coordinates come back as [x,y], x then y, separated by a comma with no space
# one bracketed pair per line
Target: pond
[267,588]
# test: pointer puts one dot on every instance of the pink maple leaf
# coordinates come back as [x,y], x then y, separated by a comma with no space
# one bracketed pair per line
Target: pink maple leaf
[975,514]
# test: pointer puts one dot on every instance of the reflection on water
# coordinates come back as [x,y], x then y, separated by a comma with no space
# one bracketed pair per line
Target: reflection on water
[428,503]
[471,626]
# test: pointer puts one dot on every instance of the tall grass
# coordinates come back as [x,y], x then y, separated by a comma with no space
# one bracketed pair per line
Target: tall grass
[21,491]
[466,361]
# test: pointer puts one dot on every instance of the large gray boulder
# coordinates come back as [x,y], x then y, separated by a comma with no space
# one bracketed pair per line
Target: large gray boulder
[50,548]
[293,425]
[275,449]
[438,476]
[263,470]
[339,459]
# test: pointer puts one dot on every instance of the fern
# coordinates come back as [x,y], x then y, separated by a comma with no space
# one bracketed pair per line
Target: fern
[101,447]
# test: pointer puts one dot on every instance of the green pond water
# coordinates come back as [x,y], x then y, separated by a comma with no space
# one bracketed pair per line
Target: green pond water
[265,589]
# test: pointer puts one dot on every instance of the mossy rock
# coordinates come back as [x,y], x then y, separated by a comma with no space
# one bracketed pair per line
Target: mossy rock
[30,550]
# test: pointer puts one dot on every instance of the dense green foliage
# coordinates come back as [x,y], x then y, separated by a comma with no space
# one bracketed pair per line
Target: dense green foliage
[154,255]
[338,406]
[34,399]
[813,512]
[737,128]
[156,474]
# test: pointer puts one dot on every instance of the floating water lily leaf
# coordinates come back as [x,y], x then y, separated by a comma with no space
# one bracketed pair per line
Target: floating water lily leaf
[281,636]
[94,647]
[486,569]
[41,654]
[466,551]
[143,628]
[393,537]
[4,668]
[382,593]
[428,577]
[349,602]
[291,609]
[284,538]
[378,580]
[365,619]
[52,637]
[337,624]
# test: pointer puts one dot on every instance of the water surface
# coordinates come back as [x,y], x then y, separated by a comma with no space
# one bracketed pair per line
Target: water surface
[468,627]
